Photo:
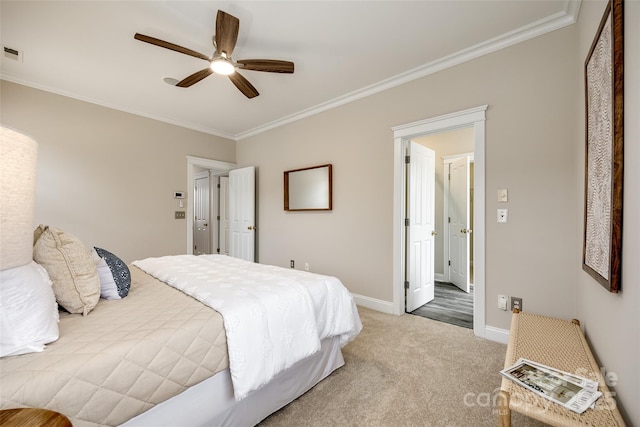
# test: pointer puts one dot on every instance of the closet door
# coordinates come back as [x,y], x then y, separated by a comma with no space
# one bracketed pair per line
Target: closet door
[202,214]
[242,229]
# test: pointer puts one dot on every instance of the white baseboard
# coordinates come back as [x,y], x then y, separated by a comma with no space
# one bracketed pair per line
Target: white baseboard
[373,303]
[439,277]
[491,333]
[496,334]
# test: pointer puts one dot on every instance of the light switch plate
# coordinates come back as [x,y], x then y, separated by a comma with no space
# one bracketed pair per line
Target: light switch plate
[502,302]
[503,195]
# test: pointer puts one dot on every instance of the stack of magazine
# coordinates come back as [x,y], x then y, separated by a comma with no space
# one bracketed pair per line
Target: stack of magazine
[571,391]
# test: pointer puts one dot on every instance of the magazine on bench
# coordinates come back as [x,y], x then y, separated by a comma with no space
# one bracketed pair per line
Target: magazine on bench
[571,391]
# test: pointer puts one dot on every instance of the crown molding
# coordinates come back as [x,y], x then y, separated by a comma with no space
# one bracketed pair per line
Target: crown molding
[551,23]
[187,125]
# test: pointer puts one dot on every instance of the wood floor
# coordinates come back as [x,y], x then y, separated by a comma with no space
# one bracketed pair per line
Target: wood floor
[450,305]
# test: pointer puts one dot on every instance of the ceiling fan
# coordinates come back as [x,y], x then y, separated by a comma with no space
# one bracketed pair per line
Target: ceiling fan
[224,41]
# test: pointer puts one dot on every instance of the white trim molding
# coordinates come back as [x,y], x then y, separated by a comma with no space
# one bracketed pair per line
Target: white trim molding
[545,25]
[474,117]
[373,303]
[496,334]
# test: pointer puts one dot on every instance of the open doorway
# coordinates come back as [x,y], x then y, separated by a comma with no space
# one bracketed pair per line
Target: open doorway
[241,205]
[211,213]
[475,119]
[453,238]
[197,167]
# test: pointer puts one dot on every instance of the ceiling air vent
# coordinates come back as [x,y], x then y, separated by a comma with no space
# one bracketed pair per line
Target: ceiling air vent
[10,53]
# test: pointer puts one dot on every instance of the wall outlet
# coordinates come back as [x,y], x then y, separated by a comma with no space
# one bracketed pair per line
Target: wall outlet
[306,266]
[502,215]
[516,303]
[292,264]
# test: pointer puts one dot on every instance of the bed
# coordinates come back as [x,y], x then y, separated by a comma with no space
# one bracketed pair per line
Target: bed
[160,356]
[178,340]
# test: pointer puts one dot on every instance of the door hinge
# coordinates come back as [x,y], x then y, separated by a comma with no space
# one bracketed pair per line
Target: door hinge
[406,285]
[218,217]
[449,262]
[407,222]
[449,220]
[218,250]
[218,185]
[407,159]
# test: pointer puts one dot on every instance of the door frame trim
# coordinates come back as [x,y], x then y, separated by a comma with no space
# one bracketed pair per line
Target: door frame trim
[471,117]
[217,167]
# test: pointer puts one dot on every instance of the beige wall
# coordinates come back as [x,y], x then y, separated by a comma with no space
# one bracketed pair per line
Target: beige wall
[612,321]
[531,92]
[459,141]
[107,176]
[534,147]
[353,241]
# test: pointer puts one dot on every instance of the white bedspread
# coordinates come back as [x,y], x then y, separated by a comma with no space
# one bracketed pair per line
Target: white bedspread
[273,316]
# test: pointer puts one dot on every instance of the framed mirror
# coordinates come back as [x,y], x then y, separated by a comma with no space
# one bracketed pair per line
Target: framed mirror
[308,189]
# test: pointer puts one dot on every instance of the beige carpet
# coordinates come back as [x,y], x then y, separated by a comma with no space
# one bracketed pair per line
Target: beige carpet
[406,371]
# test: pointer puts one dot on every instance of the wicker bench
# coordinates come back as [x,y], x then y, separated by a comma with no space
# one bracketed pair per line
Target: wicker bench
[561,344]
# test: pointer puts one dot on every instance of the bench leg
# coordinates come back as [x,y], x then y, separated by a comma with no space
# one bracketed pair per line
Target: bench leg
[504,413]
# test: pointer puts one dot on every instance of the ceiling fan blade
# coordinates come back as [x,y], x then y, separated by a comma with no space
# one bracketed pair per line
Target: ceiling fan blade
[227,27]
[244,85]
[268,65]
[171,46]
[194,78]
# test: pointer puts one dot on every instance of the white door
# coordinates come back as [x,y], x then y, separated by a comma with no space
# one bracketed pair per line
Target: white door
[421,229]
[202,216]
[242,186]
[459,229]
[223,216]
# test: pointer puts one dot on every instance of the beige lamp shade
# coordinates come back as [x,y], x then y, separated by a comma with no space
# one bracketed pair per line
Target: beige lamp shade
[18,155]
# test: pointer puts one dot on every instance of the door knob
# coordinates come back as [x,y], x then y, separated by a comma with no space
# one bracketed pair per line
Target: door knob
[463,231]
[434,232]
[251,227]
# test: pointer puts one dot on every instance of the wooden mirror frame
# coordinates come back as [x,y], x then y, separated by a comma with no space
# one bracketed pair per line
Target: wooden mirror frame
[300,182]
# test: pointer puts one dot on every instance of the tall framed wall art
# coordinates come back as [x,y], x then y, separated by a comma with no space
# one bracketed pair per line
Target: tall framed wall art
[602,249]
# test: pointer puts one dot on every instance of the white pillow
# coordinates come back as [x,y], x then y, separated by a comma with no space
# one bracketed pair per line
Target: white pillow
[108,287]
[28,310]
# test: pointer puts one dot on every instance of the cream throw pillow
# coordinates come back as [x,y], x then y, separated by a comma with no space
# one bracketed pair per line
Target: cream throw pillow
[70,267]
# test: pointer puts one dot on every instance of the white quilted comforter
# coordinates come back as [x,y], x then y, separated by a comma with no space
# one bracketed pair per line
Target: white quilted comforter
[273,316]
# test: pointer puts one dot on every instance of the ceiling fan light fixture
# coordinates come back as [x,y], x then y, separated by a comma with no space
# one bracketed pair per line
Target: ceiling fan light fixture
[221,63]
[222,66]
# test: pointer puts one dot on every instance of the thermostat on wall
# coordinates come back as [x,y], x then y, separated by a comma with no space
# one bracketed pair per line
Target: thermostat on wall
[178,195]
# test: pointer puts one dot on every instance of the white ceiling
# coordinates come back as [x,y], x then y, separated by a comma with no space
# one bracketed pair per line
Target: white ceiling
[342,50]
